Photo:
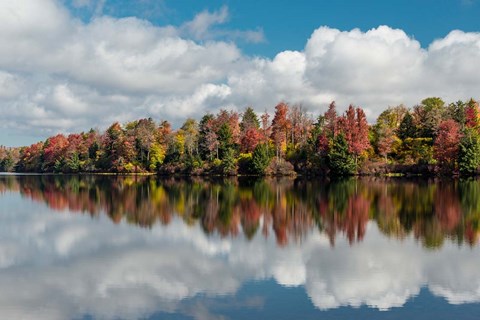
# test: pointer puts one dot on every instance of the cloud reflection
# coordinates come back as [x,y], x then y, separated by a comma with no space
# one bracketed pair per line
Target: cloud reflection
[57,266]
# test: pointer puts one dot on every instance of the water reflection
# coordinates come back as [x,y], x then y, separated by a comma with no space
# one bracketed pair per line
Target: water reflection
[200,240]
[290,209]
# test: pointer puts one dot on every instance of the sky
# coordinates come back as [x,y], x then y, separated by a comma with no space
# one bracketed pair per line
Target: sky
[71,65]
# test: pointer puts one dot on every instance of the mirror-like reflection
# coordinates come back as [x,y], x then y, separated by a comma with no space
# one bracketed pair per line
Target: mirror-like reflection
[431,210]
[239,248]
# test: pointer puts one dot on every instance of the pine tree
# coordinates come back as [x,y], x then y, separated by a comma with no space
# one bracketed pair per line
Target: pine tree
[469,152]
[340,161]
[407,127]
[261,158]
[249,120]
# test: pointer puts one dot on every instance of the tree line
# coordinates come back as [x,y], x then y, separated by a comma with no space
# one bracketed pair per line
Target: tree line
[444,138]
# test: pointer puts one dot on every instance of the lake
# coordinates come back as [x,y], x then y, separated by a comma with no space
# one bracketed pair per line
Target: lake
[107,247]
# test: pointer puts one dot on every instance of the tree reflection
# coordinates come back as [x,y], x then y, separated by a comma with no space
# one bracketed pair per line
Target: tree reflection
[430,210]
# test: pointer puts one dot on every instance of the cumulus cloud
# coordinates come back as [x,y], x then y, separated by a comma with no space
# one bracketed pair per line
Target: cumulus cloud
[74,75]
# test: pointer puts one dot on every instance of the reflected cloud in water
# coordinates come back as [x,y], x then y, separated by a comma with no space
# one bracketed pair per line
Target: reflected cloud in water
[353,243]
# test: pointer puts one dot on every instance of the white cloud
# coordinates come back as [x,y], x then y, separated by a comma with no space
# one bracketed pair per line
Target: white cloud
[58,73]
[200,26]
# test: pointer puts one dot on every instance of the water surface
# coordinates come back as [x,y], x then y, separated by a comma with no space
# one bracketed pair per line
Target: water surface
[96,247]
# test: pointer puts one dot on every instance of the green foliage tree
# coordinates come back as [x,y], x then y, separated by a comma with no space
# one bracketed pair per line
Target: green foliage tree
[428,116]
[73,163]
[225,140]
[261,158]
[469,152]
[416,151]
[229,162]
[407,127]
[249,120]
[340,161]
[456,111]
[204,129]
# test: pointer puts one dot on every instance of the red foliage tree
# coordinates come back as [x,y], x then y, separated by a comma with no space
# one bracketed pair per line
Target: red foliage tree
[360,141]
[331,120]
[54,150]
[354,126]
[385,142]
[30,157]
[472,114]
[250,139]
[445,148]
[77,144]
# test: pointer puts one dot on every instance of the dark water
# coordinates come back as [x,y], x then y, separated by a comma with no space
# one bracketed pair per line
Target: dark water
[138,247]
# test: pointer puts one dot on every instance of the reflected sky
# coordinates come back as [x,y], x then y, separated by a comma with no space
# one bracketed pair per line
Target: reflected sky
[66,259]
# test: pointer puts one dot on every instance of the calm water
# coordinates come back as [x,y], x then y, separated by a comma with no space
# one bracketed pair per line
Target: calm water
[128,248]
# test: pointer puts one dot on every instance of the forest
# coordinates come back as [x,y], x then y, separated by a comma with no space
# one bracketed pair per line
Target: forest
[432,138]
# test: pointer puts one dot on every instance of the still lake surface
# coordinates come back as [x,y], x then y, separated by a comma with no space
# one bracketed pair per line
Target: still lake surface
[105,247]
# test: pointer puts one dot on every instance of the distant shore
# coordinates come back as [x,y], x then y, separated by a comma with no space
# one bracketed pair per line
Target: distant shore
[432,138]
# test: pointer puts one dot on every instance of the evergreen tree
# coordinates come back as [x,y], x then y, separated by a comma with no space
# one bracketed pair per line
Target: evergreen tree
[249,120]
[228,162]
[205,131]
[340,161]
[407,127]
[261,158]
[224,139]
[469,152]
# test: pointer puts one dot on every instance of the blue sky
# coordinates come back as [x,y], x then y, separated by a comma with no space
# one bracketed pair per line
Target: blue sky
[70,65]
[286,24]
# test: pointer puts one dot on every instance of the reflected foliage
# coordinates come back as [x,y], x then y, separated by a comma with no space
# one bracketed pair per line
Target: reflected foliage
[432,211]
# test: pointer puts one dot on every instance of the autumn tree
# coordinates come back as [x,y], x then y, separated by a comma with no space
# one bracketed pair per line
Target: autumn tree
[54,153]
[250,131]
[250,139]
[119,150]
[280,127]
[354,127]
[144,136]
[300,125]
[158,150]
[472,114]
[386,128]
[266,128]
[231,120]
[385,141]
[330,119]
[190,133]
[428,115]
[31,158]
[445,149]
